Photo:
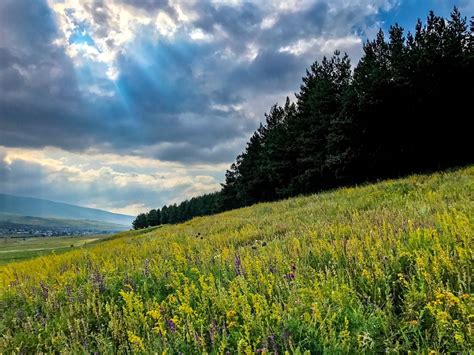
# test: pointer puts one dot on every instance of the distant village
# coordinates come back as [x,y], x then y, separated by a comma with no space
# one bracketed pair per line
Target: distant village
[34,231]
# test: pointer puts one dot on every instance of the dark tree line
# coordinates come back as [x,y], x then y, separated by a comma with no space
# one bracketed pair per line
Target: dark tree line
[405,108]
[198,206]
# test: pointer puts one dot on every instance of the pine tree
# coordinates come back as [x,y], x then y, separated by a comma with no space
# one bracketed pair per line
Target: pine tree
[153,217]
[140,222]
[164,215]
[319,103]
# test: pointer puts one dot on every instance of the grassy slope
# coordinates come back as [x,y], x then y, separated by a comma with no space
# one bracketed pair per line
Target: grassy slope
[385,267]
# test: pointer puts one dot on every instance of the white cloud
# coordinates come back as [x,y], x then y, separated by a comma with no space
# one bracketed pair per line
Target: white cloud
[111,27]
[227,108]
[198,34]
[165,26]
[105,181]
[251,52]
[322,45]
[268,22]
[96,90]
[293,5]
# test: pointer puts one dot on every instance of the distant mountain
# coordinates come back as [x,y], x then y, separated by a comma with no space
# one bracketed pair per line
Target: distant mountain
[14,221]
[29,206]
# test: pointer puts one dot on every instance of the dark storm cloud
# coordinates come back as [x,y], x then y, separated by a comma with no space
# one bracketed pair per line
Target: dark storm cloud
[158,77]
[176,95]
[314,21]
[240,23]
[21,177]
[270,71]
[243,23]
[39,104]
[222,153]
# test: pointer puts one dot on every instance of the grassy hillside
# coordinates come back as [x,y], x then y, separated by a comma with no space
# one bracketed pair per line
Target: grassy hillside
[385,267]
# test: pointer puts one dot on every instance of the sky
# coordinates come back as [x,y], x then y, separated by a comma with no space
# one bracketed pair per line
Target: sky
[127,105]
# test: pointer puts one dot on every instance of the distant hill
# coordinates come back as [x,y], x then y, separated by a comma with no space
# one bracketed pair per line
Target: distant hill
[29,206]
[9,221]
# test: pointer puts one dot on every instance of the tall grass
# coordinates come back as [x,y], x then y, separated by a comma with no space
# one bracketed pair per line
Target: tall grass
[381,268]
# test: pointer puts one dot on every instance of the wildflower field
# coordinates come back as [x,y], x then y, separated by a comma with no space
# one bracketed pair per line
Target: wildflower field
[379,268]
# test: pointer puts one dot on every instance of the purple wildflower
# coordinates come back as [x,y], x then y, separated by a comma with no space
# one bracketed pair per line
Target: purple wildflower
[98,281]
[238,265]
[146,268]
[213,331]
[171,324]
[44,290]
[272,344]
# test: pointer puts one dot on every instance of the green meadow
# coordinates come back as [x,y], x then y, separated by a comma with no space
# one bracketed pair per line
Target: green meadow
[15,248]
[385,267]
